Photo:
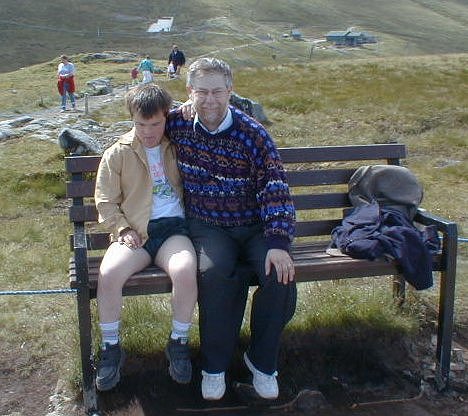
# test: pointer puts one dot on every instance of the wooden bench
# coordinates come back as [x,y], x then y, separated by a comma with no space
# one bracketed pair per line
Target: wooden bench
[318,177]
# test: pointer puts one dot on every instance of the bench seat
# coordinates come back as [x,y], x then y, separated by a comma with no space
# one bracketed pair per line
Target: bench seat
[318,178]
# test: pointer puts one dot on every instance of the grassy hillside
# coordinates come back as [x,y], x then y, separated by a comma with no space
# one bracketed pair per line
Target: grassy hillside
[37,31]
[420,101]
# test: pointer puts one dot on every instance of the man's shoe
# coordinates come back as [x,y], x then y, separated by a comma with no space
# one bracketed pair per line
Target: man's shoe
[178,355]
[213,386]
[108,371]
[265,385]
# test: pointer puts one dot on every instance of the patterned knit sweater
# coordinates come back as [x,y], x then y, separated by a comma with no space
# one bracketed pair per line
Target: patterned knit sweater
[234,178]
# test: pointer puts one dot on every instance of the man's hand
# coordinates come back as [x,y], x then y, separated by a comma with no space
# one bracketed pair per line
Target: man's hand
[188,112]
[130,238]
[283,264]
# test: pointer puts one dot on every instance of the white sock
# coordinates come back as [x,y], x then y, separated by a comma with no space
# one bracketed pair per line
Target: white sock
[180,329]
[110,332]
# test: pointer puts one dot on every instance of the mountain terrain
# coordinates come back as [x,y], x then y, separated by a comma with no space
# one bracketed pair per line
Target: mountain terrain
[38,31]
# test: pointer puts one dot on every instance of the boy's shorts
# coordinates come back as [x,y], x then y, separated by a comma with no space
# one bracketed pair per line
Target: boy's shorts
[160,230]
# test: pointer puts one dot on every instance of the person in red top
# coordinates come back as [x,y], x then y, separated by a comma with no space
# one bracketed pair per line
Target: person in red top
[134,75]
[66,81]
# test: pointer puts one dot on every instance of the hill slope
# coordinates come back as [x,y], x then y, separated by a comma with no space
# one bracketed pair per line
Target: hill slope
[37,31]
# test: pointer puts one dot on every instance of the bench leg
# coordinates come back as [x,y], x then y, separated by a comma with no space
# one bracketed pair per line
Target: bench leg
[399,289]
[445,322]
[87,368]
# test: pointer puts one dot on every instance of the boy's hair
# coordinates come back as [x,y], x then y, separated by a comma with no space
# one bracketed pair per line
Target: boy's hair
[209,66]
[148,100]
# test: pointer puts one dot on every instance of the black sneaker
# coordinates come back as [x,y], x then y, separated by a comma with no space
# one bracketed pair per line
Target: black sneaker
[178,355]
[108,371]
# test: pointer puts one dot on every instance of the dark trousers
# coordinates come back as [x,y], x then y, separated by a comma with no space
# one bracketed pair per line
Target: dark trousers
[223,289]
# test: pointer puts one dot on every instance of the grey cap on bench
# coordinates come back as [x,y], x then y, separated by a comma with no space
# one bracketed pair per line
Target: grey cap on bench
[391,186]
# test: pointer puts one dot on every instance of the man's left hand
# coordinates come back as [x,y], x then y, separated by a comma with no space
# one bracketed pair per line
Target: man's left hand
[283,264]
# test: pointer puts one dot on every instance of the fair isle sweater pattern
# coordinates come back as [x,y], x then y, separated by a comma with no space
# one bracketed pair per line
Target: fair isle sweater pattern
[234,178]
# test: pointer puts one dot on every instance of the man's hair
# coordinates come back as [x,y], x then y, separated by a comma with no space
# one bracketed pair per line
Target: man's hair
[64,57]
[148,100]
[209,66]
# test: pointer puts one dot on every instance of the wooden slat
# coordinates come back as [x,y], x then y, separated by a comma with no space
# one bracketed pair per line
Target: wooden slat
[311,262]
[318,201]
[316,228]
[78,189]
[94,241]
[315,177]
[77,164]
[84,213]
[342,153]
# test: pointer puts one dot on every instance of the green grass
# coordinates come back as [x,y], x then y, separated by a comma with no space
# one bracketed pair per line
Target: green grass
[419,101]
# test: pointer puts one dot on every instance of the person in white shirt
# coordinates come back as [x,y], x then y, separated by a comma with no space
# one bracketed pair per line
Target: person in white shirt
[66,82]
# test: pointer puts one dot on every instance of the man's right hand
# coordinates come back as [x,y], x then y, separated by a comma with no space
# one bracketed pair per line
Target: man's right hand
[188,112]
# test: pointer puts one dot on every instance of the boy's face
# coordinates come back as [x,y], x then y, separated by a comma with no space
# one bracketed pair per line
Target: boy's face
[150,131]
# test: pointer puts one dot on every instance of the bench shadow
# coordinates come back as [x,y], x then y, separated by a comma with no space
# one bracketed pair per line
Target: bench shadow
[346,368]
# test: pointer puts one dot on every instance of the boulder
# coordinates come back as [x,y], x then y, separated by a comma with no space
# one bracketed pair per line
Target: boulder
[77,142]
[16,122]
[252,108]
[100,86]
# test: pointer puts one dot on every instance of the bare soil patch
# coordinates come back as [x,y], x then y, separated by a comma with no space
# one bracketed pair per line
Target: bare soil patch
[321,374]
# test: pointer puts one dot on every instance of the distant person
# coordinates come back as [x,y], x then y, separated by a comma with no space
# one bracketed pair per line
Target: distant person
[146,67]
[134,74]
[170,70]
[66,81]
[177,58]
[139,198]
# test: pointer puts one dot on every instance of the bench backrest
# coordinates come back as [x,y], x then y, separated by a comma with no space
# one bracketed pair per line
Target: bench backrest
[317,176]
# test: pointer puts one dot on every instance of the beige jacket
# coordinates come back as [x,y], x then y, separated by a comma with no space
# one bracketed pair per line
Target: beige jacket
[124,188]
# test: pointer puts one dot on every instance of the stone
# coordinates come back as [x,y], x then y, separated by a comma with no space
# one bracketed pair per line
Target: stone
[78,142]
[248,106]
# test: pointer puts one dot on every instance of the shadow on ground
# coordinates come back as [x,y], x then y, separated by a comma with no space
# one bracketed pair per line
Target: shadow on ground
[321,373]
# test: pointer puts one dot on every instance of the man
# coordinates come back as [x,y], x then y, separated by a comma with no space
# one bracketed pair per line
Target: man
[66,82]
[177,58]
[138,197]
[238,207]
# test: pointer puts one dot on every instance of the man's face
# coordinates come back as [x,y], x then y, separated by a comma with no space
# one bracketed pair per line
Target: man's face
[210,98]
[150,131]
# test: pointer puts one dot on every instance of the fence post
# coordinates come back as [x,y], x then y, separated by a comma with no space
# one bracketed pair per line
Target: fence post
[86,108]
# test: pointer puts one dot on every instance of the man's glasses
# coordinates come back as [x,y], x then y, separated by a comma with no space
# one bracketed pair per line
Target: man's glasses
[217,93]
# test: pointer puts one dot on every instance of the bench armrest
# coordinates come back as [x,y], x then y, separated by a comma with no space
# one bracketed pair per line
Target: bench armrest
[448,228]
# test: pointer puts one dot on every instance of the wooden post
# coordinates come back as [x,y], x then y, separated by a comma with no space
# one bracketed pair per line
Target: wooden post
[86,108]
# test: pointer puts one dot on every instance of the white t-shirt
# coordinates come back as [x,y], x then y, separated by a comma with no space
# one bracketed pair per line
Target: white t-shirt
[166,203]
[66,69]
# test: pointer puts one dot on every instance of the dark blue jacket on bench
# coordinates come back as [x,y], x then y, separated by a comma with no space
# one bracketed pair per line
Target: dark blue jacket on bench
[371,232]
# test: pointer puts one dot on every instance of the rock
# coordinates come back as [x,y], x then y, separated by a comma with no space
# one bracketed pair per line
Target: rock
[100,86]
[78,142]
[252,108]
[111,56]
[6,133]
[16,122]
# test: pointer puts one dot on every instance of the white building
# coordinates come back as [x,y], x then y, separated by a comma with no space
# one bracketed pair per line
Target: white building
[164,24]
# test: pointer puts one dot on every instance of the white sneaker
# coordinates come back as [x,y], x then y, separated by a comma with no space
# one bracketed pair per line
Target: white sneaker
[265,385]
[213,386]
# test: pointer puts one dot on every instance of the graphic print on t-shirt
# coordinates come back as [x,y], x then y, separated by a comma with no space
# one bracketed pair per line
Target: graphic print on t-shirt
[166,203]
[161,186]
